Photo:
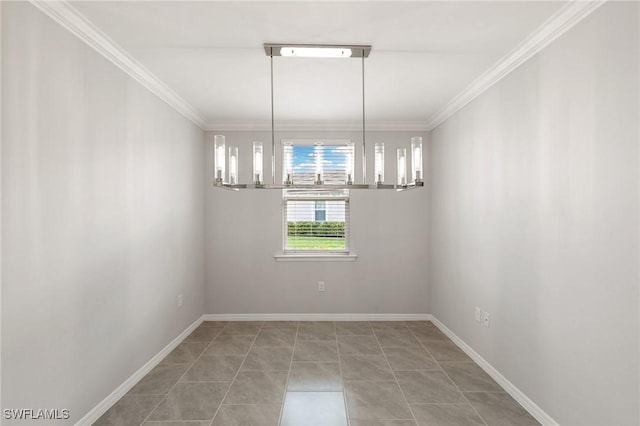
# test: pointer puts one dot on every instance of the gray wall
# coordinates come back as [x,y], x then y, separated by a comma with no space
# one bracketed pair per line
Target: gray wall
[102,218]
[244,231]
[534,217]
[533,213]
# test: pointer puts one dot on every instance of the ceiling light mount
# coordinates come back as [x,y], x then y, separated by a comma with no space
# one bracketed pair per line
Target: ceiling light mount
[317,50]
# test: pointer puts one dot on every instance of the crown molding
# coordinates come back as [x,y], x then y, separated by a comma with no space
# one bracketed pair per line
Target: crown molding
[75,22]
[71,19]
[355,125]
[560,22]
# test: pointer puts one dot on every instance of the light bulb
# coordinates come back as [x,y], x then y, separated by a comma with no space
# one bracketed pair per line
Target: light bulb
[349,166]
[402,166]
[287,164]
[378,175]
[317,154]
[219,157]
[257,162]
[416,159]
[233,165]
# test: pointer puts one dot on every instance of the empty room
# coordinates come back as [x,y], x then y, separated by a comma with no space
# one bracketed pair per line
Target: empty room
[320,213]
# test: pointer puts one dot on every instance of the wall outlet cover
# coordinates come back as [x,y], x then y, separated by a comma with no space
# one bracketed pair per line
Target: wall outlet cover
[486,319]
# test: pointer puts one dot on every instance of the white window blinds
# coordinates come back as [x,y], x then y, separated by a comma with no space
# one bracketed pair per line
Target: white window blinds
[308,162]
[316,221]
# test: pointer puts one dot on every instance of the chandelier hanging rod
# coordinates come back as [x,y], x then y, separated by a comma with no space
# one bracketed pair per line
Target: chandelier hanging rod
[318,51]
[273,130]
[364,146]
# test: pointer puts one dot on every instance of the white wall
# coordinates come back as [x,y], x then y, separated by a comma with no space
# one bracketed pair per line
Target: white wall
[102,219]
[244,231]
[534,217]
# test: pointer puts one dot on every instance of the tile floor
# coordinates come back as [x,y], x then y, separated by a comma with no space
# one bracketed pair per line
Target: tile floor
[316,373]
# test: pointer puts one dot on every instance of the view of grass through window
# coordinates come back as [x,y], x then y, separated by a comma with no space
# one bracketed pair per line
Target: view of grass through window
[316,235]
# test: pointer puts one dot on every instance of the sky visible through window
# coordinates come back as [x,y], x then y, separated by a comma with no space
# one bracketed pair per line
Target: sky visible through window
[332,157]
[304,162]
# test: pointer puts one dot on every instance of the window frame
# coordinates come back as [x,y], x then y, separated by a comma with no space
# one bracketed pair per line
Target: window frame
[316,254]
[347,223]
[317,210]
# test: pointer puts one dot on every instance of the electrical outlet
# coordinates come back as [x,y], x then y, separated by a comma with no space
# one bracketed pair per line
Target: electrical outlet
[180,300]
[320,285]
[485,319]
[478,314]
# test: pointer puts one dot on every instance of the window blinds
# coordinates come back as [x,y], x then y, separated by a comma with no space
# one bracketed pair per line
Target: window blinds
[306,164]
[316,221]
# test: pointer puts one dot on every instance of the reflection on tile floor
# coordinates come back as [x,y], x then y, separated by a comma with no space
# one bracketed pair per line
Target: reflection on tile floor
[316,373]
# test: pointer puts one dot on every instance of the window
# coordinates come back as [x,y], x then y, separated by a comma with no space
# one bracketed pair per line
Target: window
[321,211]
[316,221]
[310,161]
[307,229]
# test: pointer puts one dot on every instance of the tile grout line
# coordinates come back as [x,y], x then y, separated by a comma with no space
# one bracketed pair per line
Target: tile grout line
[186,371]
[464,396]
[414,332]
[286,384]
[373,330]
[450,379]
[394,374]
[342,381]
[237,372]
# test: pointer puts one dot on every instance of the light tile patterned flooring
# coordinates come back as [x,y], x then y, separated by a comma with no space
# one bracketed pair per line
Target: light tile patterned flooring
[316,373]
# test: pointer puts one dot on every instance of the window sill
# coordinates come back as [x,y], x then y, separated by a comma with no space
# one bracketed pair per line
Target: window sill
[315,257]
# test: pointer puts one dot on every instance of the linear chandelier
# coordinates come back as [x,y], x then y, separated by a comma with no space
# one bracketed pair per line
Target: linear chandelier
[228,178]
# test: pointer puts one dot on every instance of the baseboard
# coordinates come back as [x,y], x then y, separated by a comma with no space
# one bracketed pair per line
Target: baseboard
[121,390]
[511,389]
[537,412]
[317,317]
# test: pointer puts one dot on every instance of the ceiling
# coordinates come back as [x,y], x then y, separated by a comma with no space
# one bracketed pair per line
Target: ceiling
[423,53]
